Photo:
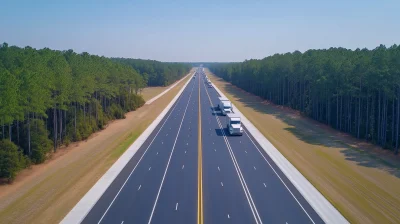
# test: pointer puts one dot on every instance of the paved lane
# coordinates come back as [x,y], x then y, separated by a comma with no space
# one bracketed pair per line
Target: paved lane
[177,201]
[133,194]
[274,199]
[224,196]
[233,181]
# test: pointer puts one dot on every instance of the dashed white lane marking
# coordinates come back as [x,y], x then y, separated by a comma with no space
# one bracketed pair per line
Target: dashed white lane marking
[176,206]
[166,135]
[265,185]
[245,151]
[240,141]
[183,166]
[281,180]
[157,153]
[222,184]
[169,160]
[139,187]
[162,143]
[123,222]
[229,216]
[149,168]
[254,167]
[219,169]
[215,149]
[187,143]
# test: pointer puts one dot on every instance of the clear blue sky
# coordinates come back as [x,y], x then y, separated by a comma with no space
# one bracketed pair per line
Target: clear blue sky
[208,30]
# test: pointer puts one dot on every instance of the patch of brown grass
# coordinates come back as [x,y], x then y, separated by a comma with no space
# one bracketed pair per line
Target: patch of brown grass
[361,180]
[150,92]
[47,192]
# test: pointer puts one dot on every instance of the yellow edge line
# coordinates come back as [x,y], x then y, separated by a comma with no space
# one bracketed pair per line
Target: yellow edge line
[200,170]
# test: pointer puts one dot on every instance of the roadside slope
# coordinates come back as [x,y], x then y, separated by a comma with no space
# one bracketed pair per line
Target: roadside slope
[364,186]
[47,193]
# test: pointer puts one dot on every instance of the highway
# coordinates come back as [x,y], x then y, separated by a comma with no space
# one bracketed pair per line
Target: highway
[189,170]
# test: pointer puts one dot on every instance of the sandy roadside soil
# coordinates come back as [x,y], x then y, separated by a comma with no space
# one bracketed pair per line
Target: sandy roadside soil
[150,92]
[45,193]
[361,180]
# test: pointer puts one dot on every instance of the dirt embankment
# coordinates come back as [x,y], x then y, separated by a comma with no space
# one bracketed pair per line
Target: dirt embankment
[45,193]
[361,180]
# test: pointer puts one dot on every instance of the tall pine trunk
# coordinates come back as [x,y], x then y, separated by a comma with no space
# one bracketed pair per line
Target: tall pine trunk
[359,113]
[55,128]
[393,105]
[367,119]
[29,135]
[75,121]
[18,132]
[61,124]
[10,131]
[398,119]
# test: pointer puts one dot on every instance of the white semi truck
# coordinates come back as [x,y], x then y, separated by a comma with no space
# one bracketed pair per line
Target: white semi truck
[234,124]
[225,106]
[209,84]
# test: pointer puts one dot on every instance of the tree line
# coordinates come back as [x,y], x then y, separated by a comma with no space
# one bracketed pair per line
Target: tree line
[354,91]
[157,73]
[51,98]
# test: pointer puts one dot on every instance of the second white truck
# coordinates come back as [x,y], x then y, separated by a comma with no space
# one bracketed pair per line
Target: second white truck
[225,106]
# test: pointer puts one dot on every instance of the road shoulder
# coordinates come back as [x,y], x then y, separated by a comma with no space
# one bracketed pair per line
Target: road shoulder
[363,187]
[49,191]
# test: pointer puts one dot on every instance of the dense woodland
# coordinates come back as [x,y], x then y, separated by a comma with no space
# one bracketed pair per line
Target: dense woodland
[157,73]
[50,98]
[357,92]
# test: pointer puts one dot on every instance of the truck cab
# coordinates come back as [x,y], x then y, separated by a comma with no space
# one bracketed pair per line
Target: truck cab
[225,106]
[234,124]
[209,84]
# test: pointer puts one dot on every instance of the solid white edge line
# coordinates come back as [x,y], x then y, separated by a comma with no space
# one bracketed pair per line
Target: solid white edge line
[169,159]
[134,168]
[165,91]
[281,180]
[82,208]
[236,165]
[327,212]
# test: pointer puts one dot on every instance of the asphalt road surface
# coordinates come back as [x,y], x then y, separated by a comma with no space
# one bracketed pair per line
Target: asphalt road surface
[190,170]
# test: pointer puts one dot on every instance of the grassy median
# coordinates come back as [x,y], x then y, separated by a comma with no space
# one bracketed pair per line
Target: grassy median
[361,180]
[47,192]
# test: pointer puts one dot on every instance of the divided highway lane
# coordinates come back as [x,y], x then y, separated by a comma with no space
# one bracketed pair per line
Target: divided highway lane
[275,199]
[234,181]
[224,197]
[177,201]
[139,194]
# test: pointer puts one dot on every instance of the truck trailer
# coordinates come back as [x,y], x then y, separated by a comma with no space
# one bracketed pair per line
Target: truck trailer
[225,106]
